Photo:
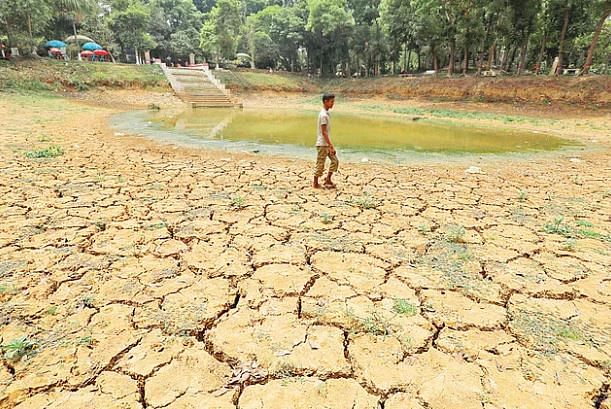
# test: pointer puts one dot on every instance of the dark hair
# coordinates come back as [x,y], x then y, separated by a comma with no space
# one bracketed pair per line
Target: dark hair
[327,96]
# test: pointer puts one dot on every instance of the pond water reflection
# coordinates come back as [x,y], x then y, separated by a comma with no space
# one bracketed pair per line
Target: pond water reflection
[292,132]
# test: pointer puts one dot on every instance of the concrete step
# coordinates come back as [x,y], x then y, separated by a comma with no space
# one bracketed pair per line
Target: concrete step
[208,101]
[209,105]
[186,73]
[210,96]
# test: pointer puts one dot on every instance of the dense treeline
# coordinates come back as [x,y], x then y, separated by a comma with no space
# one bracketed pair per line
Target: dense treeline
[330,37]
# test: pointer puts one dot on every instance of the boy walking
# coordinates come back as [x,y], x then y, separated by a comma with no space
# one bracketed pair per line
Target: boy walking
[323,144]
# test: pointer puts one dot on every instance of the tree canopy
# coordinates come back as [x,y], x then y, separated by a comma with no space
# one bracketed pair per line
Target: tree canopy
[331,37]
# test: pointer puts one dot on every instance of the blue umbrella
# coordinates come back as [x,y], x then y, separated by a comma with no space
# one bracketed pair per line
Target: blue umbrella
[91,46]
[55,44]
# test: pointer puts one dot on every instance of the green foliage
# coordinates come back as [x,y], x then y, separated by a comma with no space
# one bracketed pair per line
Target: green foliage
[364,202]
[19,348]
[220,33]
[558,227]
[330,36]
[404,307]
[238,202]
[50,152]
[326,219]
[455,233]
[47,75]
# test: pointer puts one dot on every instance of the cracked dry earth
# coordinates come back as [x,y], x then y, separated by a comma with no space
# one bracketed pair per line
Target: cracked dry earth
[149,276]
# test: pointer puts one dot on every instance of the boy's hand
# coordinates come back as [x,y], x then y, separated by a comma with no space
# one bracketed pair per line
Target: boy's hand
[332,150]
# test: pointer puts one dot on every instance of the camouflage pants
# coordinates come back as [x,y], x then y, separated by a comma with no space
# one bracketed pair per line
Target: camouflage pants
[323,153]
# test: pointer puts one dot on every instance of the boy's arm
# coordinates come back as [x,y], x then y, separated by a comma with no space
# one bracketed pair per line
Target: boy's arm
[325,135]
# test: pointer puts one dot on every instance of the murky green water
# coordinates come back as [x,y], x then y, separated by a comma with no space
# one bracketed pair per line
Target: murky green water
[293,132]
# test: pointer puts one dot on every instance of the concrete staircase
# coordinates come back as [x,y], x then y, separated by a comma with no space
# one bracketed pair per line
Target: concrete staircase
[199,88]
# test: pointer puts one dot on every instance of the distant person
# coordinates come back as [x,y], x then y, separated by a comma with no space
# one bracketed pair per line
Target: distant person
[324,146]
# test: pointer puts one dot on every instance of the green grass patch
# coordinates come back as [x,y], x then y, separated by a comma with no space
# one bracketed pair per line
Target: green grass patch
[364,202]
[404,307]
[40,75]
[52,151]
[261,79]
[18,348]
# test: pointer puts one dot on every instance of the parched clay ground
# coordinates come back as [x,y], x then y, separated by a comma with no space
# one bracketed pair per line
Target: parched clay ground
[151,276]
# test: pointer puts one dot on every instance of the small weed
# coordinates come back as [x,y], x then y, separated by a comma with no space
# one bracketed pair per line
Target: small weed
[19,348]
[424,228]
[154,107]
[568,245]
[570,333]
[578,180]
[86,302]
[591,234]
[85,341]
[558,227]
[404,307]
[43,138]
[120,179]
[156,226]
[518,215]
[522,195]
[584,223]
[364,202]
[455,234]
[376,325]
[101,225]
[52,310]
[238,202]
[50,152]
[326,219]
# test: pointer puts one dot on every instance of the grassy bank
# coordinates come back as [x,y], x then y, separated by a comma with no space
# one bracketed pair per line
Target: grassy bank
[262,80]
[592,92]
[50,75]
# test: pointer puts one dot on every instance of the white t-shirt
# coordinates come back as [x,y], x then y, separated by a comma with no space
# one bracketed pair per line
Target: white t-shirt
[324,118]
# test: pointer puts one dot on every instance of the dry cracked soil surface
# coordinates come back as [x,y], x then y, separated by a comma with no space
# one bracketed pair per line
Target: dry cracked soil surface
[138,275]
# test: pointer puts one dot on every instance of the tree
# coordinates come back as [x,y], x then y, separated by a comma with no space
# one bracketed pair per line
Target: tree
[24,21]
[168,19]
[75,11]
[130,20]
[331,26]
[605,5]
[221,30]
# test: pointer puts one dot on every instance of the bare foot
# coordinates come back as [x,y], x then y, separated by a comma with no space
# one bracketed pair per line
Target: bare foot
[315,185]
[329,185]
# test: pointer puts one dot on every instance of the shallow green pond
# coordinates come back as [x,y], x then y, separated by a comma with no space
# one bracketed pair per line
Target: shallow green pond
[293,133]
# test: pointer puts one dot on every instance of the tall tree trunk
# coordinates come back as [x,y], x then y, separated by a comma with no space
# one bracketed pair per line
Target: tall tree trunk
[523,51]
[452,56]
[491,51]
[32,46]
[466,62]
[565,26]
[511,59]
[599,26]
[434,56]
[321,64]
[409,60]
[480,60]
[78,44]
[419,59]
[540,57]
[504,58]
